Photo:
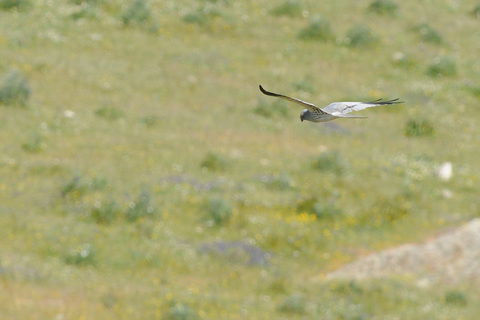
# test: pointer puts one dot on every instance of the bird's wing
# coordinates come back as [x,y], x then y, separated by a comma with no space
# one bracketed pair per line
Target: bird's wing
[307,105]
[339,108]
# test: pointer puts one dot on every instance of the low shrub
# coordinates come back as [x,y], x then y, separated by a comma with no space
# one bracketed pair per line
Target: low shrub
[318,29]
[13,4]
[219,210]
[330,161]
[418,128]
[214,162]
[34,144]
[322,208]
[81,256]
[442,67]
[290,8]
[105,212]
[383,7]
[360,36]
[428,34]
[137,13]
[110,112]
[293,304]
[14,89]
[142,207]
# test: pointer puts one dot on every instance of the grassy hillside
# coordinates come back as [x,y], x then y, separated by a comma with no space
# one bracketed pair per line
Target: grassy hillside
[144,175]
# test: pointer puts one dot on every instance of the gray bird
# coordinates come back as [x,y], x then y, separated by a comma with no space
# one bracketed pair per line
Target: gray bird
[332,111]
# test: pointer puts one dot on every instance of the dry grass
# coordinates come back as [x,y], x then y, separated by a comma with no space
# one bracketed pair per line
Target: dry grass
[125,109]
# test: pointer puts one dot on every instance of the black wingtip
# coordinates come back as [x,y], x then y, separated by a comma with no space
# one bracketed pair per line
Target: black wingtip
[381,101]
[268,93]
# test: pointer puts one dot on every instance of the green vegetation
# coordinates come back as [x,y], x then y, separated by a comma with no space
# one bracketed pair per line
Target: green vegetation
[418,128]
[13,4]
[318,29]
[360,36]
[330,161]
[145,176]
[290,8]
[218,211]
[442,66]
[384,7]
[14,89]
[428,34]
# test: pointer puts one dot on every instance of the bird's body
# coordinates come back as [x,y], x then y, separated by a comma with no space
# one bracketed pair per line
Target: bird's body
[332,111]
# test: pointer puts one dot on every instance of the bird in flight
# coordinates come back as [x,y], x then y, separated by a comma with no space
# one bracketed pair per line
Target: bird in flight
[333,110]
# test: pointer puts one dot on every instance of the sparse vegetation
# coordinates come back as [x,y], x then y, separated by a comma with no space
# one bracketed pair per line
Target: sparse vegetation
[293,304]
[218,210]
[318,29]
[384,7]
[105,212]
[428,34]
[14,89]
[137,12]
[418,128]
[13,4]
[110,112]
[442,67]
[82,255]
[360,36]
[142,207]
[214,162]
[290,8]
[330,161]
[476,11]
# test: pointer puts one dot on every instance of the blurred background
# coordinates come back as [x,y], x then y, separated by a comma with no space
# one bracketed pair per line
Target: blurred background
[145,176]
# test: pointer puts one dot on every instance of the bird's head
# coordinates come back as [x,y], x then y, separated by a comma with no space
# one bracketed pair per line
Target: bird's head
[304,115]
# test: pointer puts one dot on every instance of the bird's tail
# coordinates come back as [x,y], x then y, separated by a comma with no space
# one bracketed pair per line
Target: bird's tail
[349,116]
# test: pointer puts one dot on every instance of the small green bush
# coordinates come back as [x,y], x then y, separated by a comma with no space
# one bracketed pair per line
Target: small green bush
[428,34]
[89,2]
[318,29]
[321,208]
[75,187]
[137,13]
[149,121]
[383,7]
[442,67]
[476,11]
[418,128]
[14,89]
[105,213]
[34,144]
[181,311]
[330,161]
[360,36]
[403,60]
[13,4]
[82,256]
[456,298]
[202,16]
[142,207]
[290,8]
[83,11]
[293,304]
[110,113]
[218,210]
[282,181]
[214,162]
